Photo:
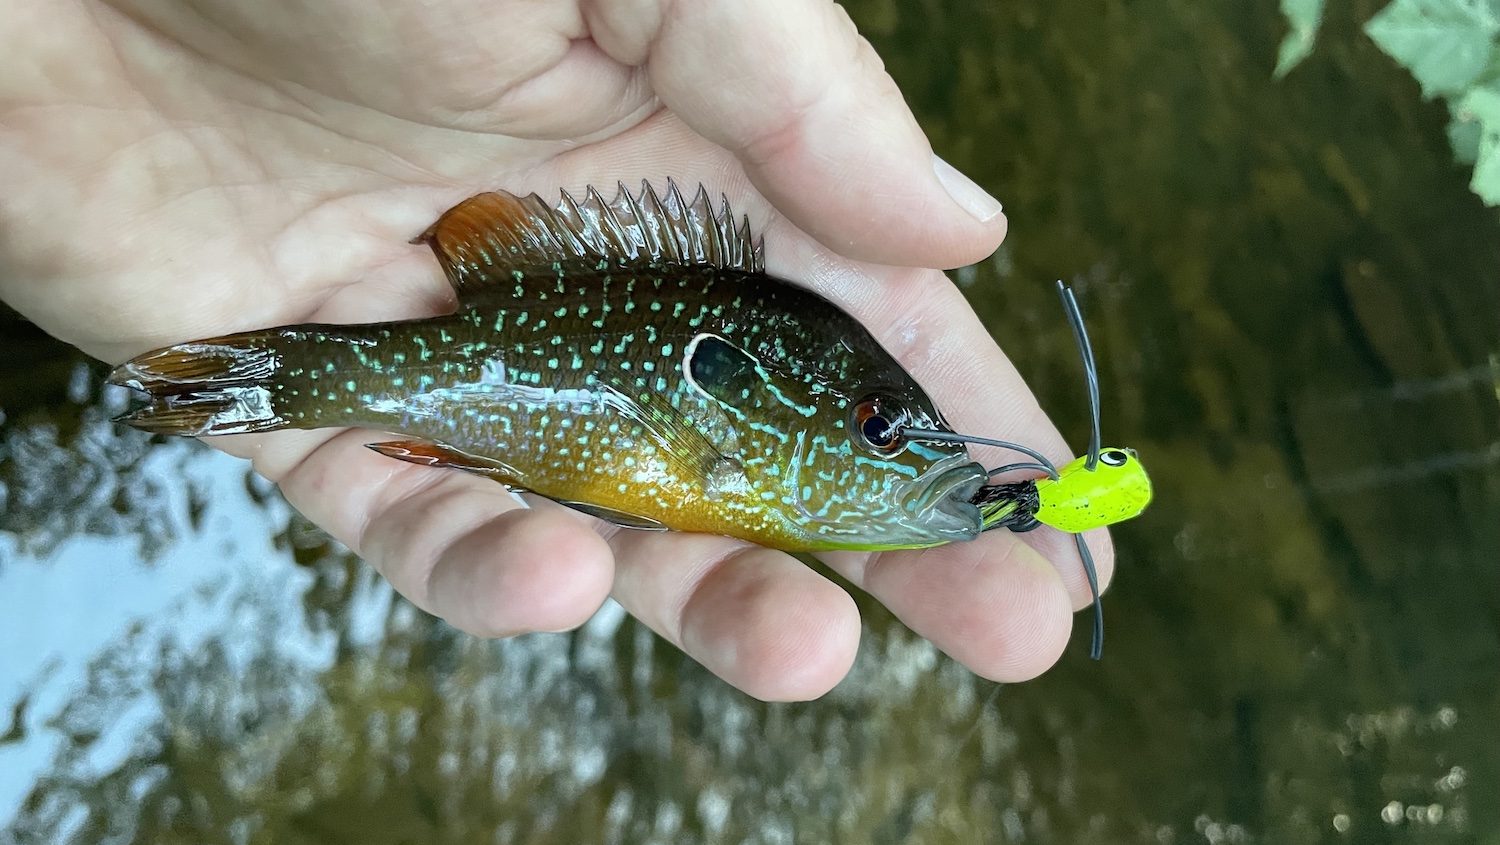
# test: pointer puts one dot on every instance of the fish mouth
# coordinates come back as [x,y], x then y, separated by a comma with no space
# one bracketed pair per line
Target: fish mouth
[944,505]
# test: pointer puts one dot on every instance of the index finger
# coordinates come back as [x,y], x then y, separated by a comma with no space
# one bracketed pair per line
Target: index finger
[804,103]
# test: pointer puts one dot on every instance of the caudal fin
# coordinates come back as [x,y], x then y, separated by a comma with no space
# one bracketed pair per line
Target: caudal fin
[224,385]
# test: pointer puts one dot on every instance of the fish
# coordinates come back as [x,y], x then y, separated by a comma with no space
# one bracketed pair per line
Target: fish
[628,358]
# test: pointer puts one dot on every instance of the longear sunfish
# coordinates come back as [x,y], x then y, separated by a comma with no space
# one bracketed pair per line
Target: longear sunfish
[630,359]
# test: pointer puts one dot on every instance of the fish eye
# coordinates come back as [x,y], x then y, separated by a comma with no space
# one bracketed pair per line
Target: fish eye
[1114,457]
[877,424]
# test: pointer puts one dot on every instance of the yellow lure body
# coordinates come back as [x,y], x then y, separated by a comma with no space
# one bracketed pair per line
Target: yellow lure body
[1080,499]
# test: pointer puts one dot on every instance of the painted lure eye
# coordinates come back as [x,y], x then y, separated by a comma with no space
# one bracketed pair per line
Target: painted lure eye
[1114,457]
[877,422]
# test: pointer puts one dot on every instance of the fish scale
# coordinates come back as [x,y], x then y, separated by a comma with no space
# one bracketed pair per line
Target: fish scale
[631,359]
[530,391]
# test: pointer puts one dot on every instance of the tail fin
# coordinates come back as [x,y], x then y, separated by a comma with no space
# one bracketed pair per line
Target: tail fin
[224,385]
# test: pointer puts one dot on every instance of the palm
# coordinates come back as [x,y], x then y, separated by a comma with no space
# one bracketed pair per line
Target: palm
[230,169]
[266,170]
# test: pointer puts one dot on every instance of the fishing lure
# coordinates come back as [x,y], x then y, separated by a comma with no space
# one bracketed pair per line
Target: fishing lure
[1101,488]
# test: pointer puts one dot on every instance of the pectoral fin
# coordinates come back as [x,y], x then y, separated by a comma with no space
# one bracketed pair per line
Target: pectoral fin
[685,441]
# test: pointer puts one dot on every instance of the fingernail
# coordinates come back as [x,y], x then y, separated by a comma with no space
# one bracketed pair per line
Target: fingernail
[980,205]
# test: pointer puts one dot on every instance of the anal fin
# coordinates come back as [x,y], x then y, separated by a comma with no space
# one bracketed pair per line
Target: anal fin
[428,453]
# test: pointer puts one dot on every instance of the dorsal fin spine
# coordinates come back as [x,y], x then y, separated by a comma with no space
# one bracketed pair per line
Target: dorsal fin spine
[733,255]
[561,232]
[753,258]
[610,227]
[649,241]
[657,215]
[717,253]
[677,213]
[568,208]
[757,258]
[703,248]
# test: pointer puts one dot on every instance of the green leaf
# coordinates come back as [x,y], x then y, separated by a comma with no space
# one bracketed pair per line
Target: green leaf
[1491,72]
[1444,43]
[1481,107]
[1464,136]
[1304,17]
[1486,181]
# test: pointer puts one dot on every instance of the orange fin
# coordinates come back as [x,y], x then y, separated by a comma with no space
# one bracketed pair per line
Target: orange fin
[221,385]
[427,453]
[432,454]
[491,238]
[233,359]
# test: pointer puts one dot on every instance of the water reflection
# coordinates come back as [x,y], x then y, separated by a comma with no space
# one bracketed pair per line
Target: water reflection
[244,679]
[1294,300]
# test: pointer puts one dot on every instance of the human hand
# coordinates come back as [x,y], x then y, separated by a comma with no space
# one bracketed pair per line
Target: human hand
[176,170]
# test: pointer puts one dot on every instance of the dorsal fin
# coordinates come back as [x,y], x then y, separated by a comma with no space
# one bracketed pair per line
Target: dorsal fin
[487,238]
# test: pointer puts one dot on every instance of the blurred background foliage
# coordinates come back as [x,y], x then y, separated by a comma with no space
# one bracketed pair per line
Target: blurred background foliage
[1452,48]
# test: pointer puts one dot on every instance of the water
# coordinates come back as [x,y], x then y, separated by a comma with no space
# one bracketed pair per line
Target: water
[1297,307]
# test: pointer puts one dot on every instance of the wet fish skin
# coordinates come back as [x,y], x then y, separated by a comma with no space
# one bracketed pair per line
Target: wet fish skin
[680,387]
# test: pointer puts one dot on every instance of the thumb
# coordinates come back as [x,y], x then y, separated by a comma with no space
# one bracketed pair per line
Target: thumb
[793,90]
